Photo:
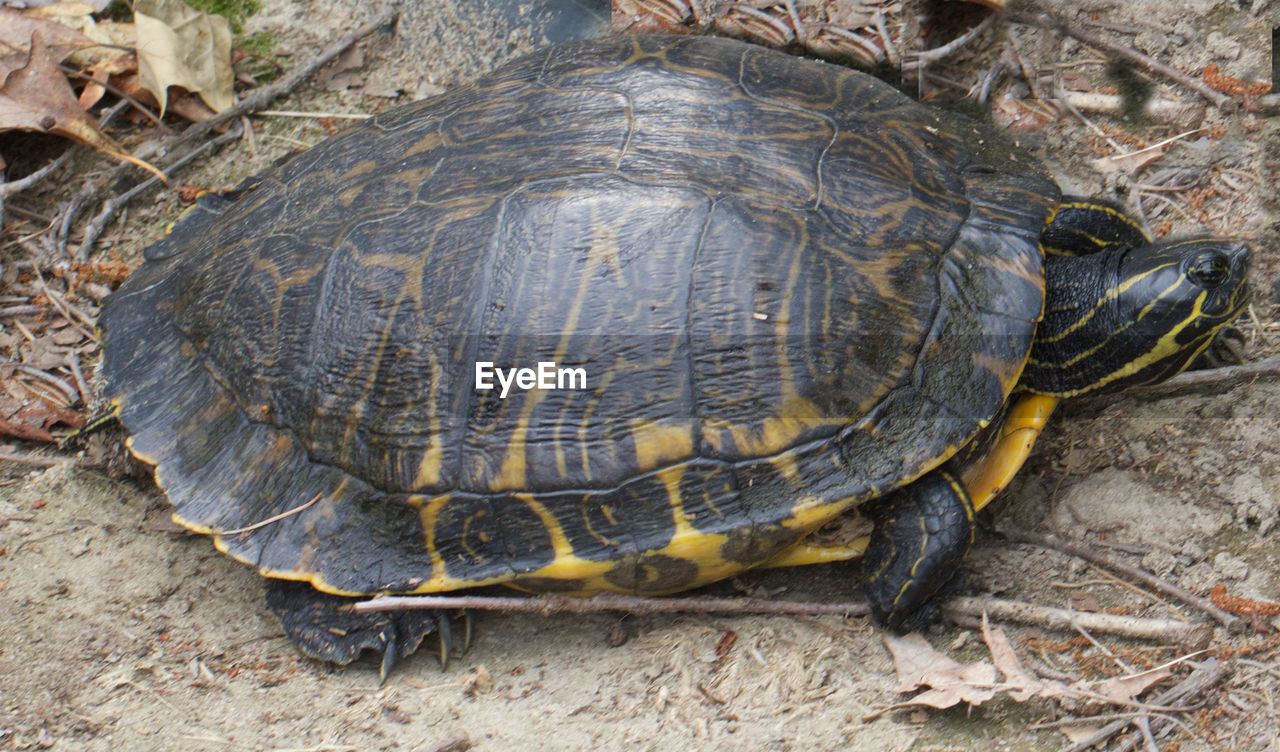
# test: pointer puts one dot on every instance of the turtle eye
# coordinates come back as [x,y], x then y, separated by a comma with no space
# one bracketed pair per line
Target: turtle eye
[1208,270]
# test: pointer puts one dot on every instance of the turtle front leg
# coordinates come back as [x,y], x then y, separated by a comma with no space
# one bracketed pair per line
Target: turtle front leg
[922,533]
[325,627]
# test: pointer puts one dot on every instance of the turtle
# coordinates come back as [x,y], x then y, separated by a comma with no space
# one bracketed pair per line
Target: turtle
[630,314]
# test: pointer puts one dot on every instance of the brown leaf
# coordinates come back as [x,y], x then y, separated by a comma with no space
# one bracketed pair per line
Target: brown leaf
[114,39]
[99,74]
[1122,689]
[16,30]
[67,336]
[25,415]
[1129,163]
[341,75]
[1084,601]
[131,86]
[66,8]
[37,97]
[950,682]
[42,354]
[191,107]
[1078,732]
[180,46]
[1073,81]
[1019,115]
[1023,685]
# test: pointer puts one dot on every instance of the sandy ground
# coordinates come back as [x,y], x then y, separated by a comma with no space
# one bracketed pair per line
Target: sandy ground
[119,633]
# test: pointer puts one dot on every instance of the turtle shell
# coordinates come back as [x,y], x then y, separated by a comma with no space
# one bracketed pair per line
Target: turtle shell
[789,288]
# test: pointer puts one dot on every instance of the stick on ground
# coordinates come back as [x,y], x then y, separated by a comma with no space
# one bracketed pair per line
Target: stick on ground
[1049,21]
[1103,560]
[960,609]
[1214,378]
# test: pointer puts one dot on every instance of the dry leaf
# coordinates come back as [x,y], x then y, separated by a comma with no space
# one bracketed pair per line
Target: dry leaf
[1019,115]
[1084,601]
[948,682]
[114,39]
[37,97]
[1078,732]
[180,46]
[191,107]
[1127,163]
[99,74]
[1072,81]
[16,30]
[919,665]
[342,75]
[70,8]
[1122,689]
[1023,686]
[24,414]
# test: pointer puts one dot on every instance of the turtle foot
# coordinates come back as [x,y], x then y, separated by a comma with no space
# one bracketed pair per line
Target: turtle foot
[324,627]
[922,533]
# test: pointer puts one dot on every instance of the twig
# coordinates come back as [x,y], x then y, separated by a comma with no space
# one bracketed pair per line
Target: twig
[74,316]
[21,310]
[1217,378]
[923,58]
[257,100]
[1103,560]
[269,520]
[1055,618]
[17,186]
[1136,627]
[260,98]
[1164,110]
[68,70]
[318,115]
[1101,648]
[1047,20]
[67,391]
[73,363]
[91,186]
[86,192]
[115,203]
[1207,674]
[632,604]
[890,51]
[1090,720]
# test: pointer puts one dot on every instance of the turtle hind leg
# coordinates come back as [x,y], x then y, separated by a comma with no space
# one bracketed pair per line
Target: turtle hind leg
[922,533]
[324,627]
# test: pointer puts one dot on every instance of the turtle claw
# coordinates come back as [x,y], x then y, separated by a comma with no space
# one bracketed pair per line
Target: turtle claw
[445,628]
[389,655]
[325,627]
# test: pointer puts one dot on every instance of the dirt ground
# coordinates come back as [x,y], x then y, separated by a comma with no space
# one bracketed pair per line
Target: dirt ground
[119,633]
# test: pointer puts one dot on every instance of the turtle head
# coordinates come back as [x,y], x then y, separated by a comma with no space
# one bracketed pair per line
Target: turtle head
[1131,315]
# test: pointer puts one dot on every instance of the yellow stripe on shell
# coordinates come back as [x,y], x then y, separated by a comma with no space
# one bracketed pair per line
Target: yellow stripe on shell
[983,480]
